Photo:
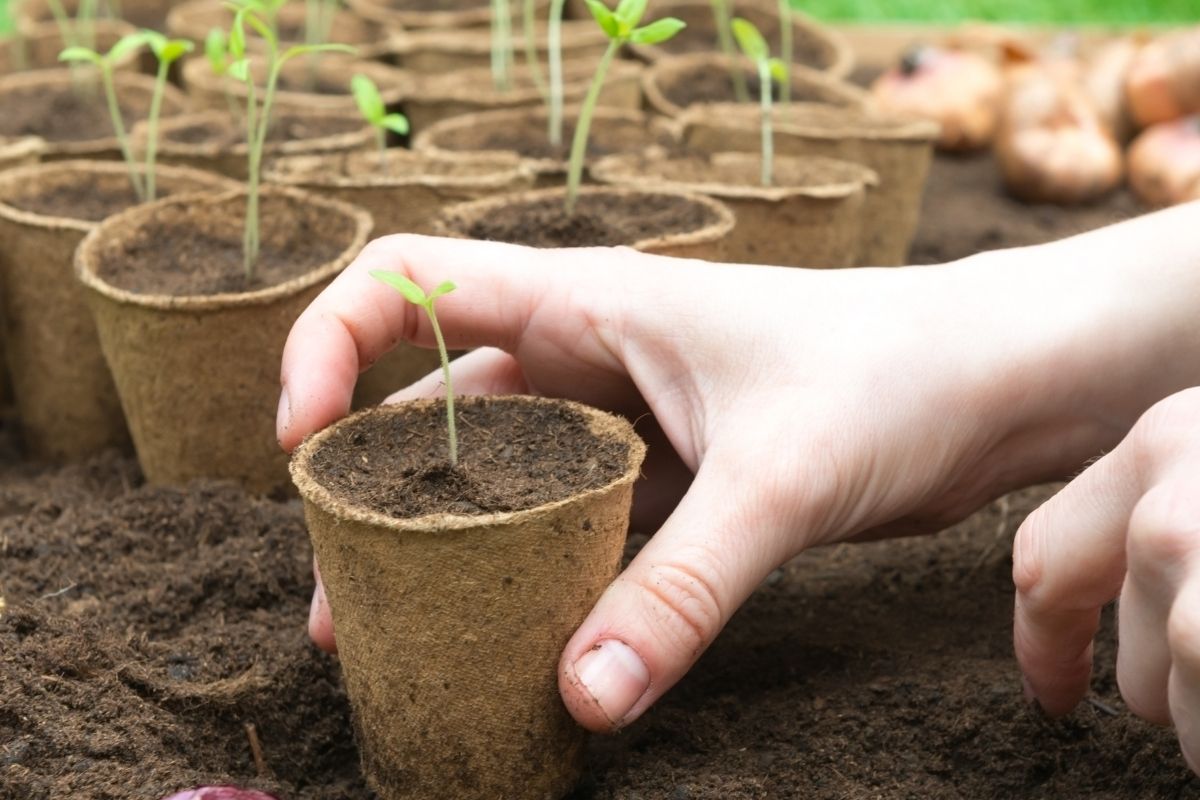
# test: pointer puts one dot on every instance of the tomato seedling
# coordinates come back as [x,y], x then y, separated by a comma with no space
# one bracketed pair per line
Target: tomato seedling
[755,47]
[371,106]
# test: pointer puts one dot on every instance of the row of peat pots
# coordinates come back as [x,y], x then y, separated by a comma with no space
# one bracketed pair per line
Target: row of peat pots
[146,326]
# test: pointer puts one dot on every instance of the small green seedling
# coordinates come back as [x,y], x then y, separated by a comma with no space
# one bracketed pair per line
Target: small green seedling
[785,50]
[260,17]
[78,32]
[502,45]
[725,40]
[125,45]
[216,51]
[532,63]
[621,27]
[167,51]
[416,295]
[554,44]
[755,47]
[371,106]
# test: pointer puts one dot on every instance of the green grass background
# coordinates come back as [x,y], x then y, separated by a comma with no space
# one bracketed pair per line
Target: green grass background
[1054,11]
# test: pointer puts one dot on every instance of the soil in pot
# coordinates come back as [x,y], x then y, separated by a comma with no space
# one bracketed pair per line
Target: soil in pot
[194,346]
[145,627]
[673,84]
[75,121]
[65,397]
[811,215]
[664,222]
[453,589]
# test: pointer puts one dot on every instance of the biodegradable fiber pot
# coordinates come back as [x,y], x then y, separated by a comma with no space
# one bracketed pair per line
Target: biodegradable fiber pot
[397,15]
[811,216]
[673,84]
[20,152]
[667,223]
[211,140]
[524,131]
[451,616]
[453,94]
[65,398]
[404,195]
[899,149]
[194,351]
[75,123]
[38,47]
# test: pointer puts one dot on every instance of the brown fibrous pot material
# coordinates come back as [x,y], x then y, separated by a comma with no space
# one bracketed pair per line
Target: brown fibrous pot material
[435,50]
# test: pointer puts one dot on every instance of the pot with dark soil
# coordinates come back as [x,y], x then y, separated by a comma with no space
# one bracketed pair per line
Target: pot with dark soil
[669,223]
[814,45]
[398,15]
[673,84]
[195,18]
[899,149]
[434,51]
[452,94]
[212,140]
[72,118]
[302,87]
[455,588]
[524,132]
[38,47]
[193,340]
[66,402]
[810,216]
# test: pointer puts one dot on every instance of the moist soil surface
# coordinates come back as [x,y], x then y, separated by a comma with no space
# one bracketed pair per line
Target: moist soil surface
[146,629]
[713,84]
[88,200]
[63,114]
[198,250]
[700,35]
[599,220]
[512,456]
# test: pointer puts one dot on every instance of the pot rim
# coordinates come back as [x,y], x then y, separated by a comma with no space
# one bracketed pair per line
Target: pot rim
[474,85]
[85,255]
[503,172]
[358,138]
[394,84]
[858,123]
[472,17]
[311,490]
[713,232]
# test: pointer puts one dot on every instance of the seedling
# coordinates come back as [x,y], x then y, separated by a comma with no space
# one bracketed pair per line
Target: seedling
[124,46]
[554,44]
[502,46]
[216,50]
[258,120]
[785,50]
[79,32]
[416,295]
[167,51]
[371,106]
[755,47]
[621,27]
[725,40]
[529,18]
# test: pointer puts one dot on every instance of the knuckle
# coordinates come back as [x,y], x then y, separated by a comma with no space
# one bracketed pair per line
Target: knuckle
[681,602]
[1163,529]
[1028,569]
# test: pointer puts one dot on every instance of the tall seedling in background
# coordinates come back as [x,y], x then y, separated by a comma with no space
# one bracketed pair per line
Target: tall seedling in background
[79,32]
[216,51]
[725,40]
[258,120]
[621,27]
[502,46]
[755,47]
[416,295]
[554,45]
[167,51]
[124,46]
[786,50]
[528,22]
[371,106]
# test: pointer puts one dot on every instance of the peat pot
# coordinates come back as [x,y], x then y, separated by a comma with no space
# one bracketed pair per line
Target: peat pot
[195,18]
[525,133]
[398,15]
[65,398]
[668,223]
[194,348]
[437,50]
[898,149]
[810,216]
[453,603]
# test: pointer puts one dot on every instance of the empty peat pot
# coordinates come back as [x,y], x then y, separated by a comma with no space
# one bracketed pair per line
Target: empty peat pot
[454,590]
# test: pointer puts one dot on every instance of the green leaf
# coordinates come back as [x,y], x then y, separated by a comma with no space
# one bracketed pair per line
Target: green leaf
[750,40]
[658,31]
[367,98]
[237,35]
[128,44]
[631,12]
[240,70]
[608,22]
[412,293]
[79,54]
[396,123]
[444,288]
[174,50]
[264,30]
[215,49]
[779,70]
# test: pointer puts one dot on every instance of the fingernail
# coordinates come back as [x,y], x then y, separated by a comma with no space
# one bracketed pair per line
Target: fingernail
[283,416]
[615,676]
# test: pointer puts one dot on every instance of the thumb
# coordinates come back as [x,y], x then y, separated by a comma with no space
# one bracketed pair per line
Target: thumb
[664,610]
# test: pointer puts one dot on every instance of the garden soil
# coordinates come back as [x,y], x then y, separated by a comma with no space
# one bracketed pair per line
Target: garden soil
[151,635]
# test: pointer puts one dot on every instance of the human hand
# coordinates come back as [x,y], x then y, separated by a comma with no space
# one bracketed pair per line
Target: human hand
[810,406]
[1128,526]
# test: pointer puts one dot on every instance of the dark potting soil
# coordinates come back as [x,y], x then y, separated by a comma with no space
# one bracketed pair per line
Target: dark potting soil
[90,198]
[713,84]
[282,129]
[198,250]
[64,114]
[598,221]
[700,35]
[145,628]
[512,456]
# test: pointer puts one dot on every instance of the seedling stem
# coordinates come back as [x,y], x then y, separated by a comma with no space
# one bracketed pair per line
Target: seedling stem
[371,106]
[755,47]
[502,49]
[554,43]
[528,22]
[725,40]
